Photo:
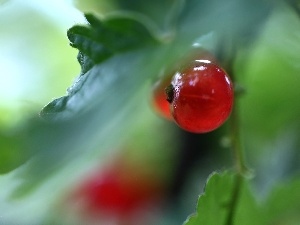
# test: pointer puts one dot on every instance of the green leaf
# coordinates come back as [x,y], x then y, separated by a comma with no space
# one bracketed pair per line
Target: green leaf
[56,144]
[226,200]
[96,43]
[104,38]
[216,204]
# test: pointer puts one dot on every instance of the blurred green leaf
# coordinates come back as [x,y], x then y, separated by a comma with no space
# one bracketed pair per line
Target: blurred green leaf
[283,204]
[95,6]
[162,14]
[271,73]
[10,155]
[270,108]
[56,143]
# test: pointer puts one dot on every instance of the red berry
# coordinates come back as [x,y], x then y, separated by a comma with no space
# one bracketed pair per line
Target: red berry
[202,97]
[159,97]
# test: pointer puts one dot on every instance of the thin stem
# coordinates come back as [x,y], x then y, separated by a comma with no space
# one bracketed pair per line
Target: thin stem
[234,199]
[236,144]
[241,169]
[228,54]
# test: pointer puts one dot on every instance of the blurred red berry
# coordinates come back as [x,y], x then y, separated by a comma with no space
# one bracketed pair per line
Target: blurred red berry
[117,192]
[159,97]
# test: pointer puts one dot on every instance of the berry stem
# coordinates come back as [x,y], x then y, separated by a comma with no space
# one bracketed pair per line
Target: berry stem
[241,169]
[236,144]
[227,56]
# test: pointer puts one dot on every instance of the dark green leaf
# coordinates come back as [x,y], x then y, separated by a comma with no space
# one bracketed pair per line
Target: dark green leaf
[104,38]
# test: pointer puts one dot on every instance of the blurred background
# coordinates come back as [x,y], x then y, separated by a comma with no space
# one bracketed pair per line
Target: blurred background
[34,54]
[138,168]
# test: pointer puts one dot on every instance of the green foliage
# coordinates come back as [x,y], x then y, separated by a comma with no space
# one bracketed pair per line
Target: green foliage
[78,123]
[103,39]
[222,203]
[227,199]
[120,54]
[271,67]
[97,43]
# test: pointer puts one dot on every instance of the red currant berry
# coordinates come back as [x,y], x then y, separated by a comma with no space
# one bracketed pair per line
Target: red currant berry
[202,97]
[159,97]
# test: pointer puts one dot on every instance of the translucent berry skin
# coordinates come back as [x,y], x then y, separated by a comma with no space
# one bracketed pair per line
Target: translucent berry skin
[202,97]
